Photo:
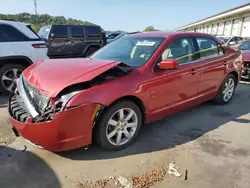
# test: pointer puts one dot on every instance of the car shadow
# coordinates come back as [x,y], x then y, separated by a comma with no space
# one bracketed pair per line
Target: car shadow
[175,130]
[23,169]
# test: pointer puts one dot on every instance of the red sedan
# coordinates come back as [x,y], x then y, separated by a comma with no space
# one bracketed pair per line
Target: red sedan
[245,49]
[62,104]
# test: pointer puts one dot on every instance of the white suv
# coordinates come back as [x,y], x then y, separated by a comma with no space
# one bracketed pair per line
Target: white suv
[20,46]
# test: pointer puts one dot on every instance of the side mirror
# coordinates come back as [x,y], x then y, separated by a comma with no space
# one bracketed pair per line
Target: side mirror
[232,43]
[168,64]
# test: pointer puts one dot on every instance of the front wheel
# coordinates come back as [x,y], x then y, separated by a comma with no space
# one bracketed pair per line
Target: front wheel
[119,125]
[227,89]
[8,75]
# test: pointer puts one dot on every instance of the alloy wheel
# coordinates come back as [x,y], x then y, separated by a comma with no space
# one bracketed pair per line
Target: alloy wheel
[9,79]
[121,126]
[228,89]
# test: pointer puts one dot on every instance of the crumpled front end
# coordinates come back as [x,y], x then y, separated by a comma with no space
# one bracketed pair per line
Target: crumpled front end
[52,128]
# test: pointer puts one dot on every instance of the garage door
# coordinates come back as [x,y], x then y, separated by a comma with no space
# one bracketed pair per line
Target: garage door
[205,29]
[220,28]
[236,24]
[214,29]
[209,30]
[227,29]
[246,27]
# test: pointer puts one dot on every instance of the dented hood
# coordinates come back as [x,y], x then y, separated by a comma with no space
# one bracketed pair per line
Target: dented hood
[52,76]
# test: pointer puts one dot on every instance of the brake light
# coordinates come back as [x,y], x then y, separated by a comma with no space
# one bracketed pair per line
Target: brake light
[41,45]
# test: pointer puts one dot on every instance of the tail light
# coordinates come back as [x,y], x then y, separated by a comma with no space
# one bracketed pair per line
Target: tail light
[41,45]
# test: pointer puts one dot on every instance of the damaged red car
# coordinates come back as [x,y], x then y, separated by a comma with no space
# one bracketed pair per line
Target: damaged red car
[63,104]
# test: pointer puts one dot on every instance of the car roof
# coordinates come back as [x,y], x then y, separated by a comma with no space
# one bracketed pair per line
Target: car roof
[22,27]
[170,34]
[68,25]
[12,22]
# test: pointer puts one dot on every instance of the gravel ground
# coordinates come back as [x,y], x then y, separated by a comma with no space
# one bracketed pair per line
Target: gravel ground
[6,135]
[208,143]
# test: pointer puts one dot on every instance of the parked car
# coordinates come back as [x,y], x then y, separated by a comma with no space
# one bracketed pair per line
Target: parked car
[233,41]
[245,49]
[20,46]
[120,36]
[109,96]
[72,40]
[111,37]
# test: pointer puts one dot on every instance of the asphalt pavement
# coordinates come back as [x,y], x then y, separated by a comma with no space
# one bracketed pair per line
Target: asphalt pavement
[209,143]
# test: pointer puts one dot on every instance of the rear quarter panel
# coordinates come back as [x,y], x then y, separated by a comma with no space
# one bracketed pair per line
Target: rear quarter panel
[23,49]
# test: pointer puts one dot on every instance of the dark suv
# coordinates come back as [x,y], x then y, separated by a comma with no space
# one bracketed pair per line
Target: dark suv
[72,40]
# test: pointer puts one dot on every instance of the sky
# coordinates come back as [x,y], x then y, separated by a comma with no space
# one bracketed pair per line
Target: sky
[126,15]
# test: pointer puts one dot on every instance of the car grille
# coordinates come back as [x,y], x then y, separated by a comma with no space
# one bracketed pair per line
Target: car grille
[16,110]
[38,100]
[247,64]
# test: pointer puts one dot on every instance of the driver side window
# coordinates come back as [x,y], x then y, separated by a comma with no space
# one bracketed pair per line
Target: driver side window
[181,50]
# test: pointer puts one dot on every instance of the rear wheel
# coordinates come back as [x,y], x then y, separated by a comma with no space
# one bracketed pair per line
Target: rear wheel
[8,75]
[90,51]
[119,126]
[227,89]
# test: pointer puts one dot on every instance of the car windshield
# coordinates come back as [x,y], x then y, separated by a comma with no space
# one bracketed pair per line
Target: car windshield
[44,32]
[245,46]
[224,39]
[132,50]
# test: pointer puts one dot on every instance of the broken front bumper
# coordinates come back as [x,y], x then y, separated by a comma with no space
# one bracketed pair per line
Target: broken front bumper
[69,129]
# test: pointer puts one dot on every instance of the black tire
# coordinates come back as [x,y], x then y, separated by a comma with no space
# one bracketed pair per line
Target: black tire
[219,98]
[100,129]
[3,70]
[90,51]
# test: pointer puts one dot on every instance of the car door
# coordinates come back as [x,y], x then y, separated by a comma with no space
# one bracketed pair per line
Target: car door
[59,43]
[179,87]
[77,38]
[212,65]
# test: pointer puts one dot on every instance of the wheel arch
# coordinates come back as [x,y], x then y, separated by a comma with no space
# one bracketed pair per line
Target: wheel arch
[21,60]
[91,45]
[236,75]
[135,100]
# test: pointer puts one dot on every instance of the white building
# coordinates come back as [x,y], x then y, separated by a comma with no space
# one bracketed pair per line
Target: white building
[235,22]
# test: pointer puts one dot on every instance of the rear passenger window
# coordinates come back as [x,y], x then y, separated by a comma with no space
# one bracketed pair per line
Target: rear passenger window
[209,48]
[77,32]
[11,34]
[59,32]
[93,30]
[181,50]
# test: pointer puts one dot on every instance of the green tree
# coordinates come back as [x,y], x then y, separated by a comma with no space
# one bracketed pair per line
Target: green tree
[149,28]
[37,21]
[60,20]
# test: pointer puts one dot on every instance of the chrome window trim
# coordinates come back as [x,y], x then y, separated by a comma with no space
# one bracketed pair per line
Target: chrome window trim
[208,58]
[30,108]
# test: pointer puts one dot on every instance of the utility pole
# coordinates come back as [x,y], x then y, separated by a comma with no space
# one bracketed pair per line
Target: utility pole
[35,4]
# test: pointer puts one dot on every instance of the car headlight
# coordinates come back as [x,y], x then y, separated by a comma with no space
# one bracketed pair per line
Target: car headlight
[64,99]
